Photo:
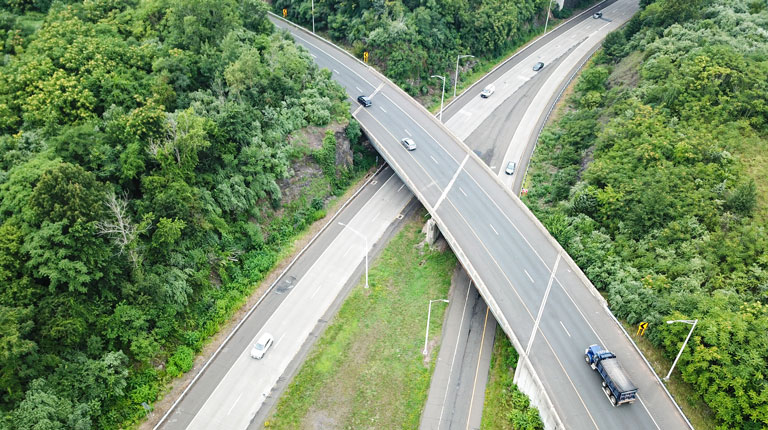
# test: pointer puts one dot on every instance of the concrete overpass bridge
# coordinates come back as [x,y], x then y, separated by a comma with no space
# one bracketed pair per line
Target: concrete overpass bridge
[539,296]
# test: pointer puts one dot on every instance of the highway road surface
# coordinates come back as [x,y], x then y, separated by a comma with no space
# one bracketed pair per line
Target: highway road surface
[457,391]
[233,388]
[538,295]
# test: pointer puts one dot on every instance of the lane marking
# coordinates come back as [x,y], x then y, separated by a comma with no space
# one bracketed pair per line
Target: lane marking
[477,368]
[418,124]
[358,89]
[462,192]
[316,291]
[281,338]
[543,303]
[450,183]
[433,159]
[377,90]
[235,403]
[455,349]
[296,35]
[529,276]
[335,71]
[408,133]
[395,163]
[313,55]
[649,412]
[401,187]
[566,330]
[220,384]
[528,311]
[346,252]
[382,108]
[494,230]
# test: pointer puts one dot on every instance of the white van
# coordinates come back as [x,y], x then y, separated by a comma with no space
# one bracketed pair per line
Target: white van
[487,91]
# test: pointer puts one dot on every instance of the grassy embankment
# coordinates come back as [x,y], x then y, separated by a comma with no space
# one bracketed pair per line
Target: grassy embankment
[367,369]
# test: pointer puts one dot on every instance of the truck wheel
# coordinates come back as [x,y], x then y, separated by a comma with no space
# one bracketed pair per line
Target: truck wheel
[586,358]
[613,400]
[607,391]
[603,384]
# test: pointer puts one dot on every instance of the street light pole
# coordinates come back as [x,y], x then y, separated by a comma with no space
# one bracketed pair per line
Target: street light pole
[429,312]
[456,77]
[366,249]
[442,98]
[666,378]
[547,21]
[313,16]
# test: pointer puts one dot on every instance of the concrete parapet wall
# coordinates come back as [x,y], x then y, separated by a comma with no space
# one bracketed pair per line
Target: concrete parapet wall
[528,384]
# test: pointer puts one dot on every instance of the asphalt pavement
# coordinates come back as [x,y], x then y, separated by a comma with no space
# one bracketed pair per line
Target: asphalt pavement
[539,296]
[234,390]
[457,391]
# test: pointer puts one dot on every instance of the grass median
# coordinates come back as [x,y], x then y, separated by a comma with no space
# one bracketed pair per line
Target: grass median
[367,370]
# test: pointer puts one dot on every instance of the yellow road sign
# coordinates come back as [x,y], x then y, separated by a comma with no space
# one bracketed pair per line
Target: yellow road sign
[365,56]
[285,13]
[641,328]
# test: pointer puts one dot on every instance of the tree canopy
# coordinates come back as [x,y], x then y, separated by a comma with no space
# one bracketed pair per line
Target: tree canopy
[143,151]
[654,182]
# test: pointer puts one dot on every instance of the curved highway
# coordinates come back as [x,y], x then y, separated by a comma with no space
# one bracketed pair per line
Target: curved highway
[538,295]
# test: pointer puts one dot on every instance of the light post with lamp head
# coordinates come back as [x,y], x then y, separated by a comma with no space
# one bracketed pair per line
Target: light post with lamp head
[666,378]
[456,77]
[429,312]
[442,98]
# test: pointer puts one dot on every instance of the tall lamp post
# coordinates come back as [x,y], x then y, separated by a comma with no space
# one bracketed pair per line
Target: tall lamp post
[429,312]
[442,98]
[366,249]
[666,378]
[313,15]
[456,77]
[547,21]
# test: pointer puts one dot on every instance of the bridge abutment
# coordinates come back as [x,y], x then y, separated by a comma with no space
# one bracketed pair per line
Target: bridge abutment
[529,385]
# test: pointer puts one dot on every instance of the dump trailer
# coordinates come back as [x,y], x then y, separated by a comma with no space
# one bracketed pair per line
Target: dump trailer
[616,384]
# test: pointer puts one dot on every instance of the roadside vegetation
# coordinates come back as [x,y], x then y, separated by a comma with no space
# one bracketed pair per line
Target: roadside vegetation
[506,408]
[653,179]
[155,162]
[367,370]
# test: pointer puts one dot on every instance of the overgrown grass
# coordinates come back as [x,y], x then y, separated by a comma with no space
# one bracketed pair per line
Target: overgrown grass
[505,406]
[367,370]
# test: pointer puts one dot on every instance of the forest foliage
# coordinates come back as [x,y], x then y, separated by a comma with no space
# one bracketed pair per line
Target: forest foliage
[411,40]
[650,180]
[143,144]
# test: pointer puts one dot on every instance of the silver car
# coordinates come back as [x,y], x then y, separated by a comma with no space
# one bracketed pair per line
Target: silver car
[262,345]
[408,143]
[510,170]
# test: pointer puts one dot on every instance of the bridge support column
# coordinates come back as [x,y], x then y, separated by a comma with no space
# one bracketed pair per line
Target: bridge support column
[527,383]
[431,231]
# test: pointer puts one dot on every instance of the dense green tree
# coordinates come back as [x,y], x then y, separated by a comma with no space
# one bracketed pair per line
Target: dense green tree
[665,215]
[142,149]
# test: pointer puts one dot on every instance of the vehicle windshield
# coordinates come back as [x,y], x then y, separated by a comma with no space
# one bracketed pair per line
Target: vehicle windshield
[259,346]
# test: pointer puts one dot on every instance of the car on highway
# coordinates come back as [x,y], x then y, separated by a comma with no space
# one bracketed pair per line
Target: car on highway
[408,143]
[365,101]
[262,345]
[597,15]
[510,170]
[487,91]
[538,66]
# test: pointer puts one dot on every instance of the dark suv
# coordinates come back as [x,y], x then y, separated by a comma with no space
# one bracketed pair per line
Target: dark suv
[365,101]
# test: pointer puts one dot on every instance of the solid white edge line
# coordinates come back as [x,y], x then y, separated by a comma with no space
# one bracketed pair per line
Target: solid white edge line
[266,293]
